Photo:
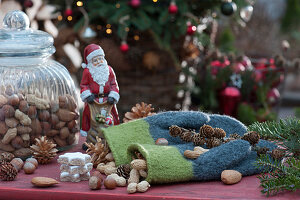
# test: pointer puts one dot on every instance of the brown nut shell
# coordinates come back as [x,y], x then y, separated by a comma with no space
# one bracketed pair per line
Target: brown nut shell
[110,183]
[17,163]
[29,168]
[33,161]
[43,181]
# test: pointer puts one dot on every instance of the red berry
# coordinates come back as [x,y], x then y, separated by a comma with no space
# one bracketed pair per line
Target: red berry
[191,30]
[28,4]
[68,12]
[124,47]
[173,9]
[135,3]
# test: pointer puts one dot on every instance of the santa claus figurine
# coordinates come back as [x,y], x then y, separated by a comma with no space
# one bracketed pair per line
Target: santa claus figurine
[98,83]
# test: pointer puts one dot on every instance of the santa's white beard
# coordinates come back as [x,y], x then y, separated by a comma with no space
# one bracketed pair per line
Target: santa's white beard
[99,73]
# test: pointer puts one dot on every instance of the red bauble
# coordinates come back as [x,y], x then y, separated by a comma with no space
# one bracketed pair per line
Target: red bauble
[68,12]
[191,29]
[135,3]
[173,9]
[124,47]
[273,96]
[229,99]
[28,3]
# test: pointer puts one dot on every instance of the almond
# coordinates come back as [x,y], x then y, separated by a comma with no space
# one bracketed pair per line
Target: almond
[43,181]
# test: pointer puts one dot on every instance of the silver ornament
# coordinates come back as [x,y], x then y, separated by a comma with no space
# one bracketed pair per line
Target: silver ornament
[246,13]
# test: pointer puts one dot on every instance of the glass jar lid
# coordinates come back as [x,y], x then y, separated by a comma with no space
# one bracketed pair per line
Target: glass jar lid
[18,40]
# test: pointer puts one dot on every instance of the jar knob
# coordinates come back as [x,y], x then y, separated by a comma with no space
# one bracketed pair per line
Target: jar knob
[16,20]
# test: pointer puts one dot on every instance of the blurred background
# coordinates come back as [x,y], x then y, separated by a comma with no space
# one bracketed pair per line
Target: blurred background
[234,57]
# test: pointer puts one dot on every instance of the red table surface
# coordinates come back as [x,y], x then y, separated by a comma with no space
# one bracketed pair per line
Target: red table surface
[21,188]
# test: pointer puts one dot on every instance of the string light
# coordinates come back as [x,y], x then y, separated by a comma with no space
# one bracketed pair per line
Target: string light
[70,18]
[136,37]
[118,5]
[108,31]
[79,3]
[59,17]
[127,29]
[99,27]
[154,1]
[108,26]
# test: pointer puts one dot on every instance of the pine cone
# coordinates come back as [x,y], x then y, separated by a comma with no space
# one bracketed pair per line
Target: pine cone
[6,156]
[186,136]
[252,137]
[7,171]
[139,111]
[262,151]
[277,154]
[97,151]
[124,171]
[198,140]
[213,142]
[235,136]
[206,131]
[43,150]
[219,133]
[175,131]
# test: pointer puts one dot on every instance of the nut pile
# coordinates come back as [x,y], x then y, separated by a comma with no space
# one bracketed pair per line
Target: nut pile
[24,117]
[75,167]
[132,175]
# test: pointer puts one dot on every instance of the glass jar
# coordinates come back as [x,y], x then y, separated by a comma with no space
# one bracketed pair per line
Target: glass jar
[37,95]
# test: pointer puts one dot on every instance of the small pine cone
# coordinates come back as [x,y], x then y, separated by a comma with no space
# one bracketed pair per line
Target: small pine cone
[235,136]
[252,137]
[277,154]
[124,171]
[206,131]
[198,140]
[213,142]
[186,136]
[7,171]
[6,156]
[219,133]
[262,151]
[175,131]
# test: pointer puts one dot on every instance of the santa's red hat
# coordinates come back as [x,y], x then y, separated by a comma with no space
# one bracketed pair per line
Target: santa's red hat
[91,51]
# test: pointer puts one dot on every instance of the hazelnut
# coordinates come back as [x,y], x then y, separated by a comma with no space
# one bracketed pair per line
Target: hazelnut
[17,163]
[95,183]
[32,112]
[23,106]
[13,100]
[29,168]
[9,111]
[33,161]
[110,183]
[17,142]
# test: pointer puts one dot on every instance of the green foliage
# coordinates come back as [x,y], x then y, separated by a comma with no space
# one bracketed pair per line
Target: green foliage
[246,114]
[297,112]
[290,20]
[280,176]
[227,41]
